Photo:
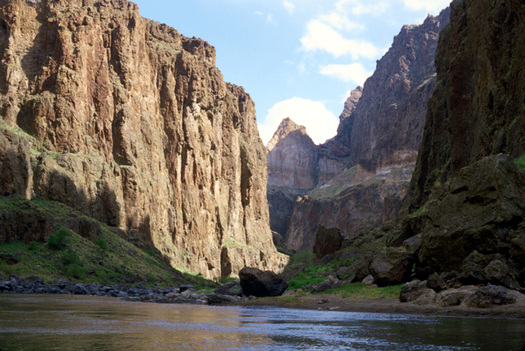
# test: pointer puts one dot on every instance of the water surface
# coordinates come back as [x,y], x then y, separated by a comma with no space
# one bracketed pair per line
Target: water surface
[49,322]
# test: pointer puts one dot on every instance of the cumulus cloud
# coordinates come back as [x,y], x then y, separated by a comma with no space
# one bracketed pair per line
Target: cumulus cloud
[354,72]
[321,36]
[341,22]
[320,123]
[290,7]
[427,5]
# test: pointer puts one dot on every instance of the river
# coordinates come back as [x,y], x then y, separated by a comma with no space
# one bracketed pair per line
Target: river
[58,322]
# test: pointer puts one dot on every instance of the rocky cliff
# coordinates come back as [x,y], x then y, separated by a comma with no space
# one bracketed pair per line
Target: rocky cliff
[467,194]
[389,116]
[364,171]
[128,121]
[292,157]
[478,108]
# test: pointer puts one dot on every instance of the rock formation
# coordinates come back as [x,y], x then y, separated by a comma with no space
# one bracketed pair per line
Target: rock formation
[478,108]
[128,121]
[364,171]
[389,116]
[292,157]
[466,197]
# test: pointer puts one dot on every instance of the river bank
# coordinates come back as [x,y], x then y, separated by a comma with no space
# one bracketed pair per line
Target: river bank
[328,302]
[184,294]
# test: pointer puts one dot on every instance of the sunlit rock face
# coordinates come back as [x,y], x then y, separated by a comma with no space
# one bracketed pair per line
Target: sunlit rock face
[131,123]
[292,157]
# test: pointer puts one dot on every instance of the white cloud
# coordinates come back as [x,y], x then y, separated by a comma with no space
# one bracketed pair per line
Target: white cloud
[427,5]
[320,36]
[354,72]
[341,22]
[320,123]
[360,7]
[289,7]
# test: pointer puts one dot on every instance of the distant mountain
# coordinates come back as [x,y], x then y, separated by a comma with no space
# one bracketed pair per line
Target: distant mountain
[362,174]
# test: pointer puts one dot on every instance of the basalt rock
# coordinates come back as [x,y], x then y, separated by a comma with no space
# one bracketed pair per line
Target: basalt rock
[255,282]
[131,123]
[478,108]
[469,224]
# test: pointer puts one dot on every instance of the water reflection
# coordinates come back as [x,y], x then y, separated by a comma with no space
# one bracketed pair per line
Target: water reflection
[80,323]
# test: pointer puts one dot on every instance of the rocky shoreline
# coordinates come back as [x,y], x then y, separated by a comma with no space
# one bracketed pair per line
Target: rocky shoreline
[230,294]
[183,294]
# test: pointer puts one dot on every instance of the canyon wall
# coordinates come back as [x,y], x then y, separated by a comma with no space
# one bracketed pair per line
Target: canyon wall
[130,122]
[365,170]
[467,195]
[478,108]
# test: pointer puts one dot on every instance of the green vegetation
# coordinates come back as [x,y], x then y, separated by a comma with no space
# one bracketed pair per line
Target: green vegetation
[520,162]
[107,259]
[360,290]
[59,240]
[341,182]
[419,212]
[306,273]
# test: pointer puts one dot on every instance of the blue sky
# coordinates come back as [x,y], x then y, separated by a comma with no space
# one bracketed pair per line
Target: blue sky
[296,58]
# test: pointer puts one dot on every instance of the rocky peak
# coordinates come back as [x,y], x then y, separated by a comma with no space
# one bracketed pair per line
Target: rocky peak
[351,104]
[390,114]
[292,157]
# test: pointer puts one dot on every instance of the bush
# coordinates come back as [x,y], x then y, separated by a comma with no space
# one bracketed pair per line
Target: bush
[33,246]
[75,271]
[102,243]
[59,240]
[70,258]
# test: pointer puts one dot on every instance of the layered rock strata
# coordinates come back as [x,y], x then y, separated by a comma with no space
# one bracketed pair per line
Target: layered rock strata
[128,121]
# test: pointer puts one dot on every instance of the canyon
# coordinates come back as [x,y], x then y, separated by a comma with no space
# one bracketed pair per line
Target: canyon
[366,168]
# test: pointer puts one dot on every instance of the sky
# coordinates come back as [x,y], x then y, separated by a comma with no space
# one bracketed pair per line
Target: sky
[296,58]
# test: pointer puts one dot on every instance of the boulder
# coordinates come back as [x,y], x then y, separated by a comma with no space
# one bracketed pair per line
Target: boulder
[255,282]
[417,291]
[491,295]
[368,280]
[329,283]
[346,274]
[392,265]
[327,241]
[471,215]
[454,297]
[232,288]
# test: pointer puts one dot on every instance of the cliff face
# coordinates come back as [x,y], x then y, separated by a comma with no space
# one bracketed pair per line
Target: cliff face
[129,122]
[466,197]
[365,170]
[389,116]
[292,157]
[478,108]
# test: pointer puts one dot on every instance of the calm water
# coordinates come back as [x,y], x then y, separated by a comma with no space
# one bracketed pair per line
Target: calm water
[47,322]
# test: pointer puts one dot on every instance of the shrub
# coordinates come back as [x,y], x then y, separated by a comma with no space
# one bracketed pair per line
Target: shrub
[70,258]
[58,240]
[33,246]
[75,271]
[102,243]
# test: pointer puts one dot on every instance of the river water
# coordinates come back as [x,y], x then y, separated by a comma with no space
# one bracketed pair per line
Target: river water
[51,322]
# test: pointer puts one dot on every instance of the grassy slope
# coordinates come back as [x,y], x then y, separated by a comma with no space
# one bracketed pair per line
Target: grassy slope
[107,259]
